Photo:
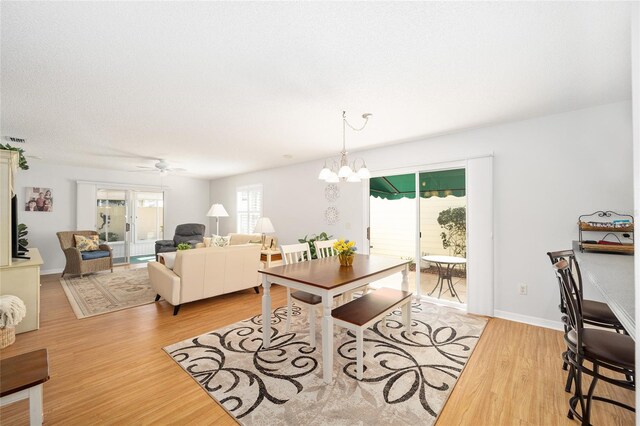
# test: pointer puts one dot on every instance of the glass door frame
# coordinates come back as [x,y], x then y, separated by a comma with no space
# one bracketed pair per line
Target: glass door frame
[130,212]
[416,170]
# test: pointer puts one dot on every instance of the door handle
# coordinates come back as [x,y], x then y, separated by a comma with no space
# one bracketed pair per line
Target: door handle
[127,227]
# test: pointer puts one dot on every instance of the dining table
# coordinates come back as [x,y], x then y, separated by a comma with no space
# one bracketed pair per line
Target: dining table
[613,275]
[327,278]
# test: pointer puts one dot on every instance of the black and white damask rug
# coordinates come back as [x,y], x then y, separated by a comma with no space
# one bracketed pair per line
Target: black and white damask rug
[407,378]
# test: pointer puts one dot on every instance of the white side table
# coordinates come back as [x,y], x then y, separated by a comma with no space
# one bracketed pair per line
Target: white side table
[269,256]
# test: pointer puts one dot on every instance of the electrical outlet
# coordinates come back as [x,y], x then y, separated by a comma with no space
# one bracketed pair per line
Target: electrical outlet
[523,289]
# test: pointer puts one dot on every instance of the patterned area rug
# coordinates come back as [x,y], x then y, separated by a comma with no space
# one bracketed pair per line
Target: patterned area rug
[104,292]
[407,378]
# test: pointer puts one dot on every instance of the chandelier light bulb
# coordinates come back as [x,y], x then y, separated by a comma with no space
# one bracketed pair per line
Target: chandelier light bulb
[364,173]
[324,173]
[332,178]
[345,172]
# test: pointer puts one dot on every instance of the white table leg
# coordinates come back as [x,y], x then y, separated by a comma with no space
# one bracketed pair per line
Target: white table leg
[327,339]
[406,310]
[266,312]
[359,352]
[405,278]
[35,405]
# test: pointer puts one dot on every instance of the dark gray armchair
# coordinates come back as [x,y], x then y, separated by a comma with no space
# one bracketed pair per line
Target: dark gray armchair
[192,233]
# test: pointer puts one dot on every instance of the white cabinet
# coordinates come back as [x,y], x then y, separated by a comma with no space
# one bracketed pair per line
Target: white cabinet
[22,279]
[19,277]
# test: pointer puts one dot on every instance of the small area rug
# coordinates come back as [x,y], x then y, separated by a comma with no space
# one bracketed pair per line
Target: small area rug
[407,379]
[105,292]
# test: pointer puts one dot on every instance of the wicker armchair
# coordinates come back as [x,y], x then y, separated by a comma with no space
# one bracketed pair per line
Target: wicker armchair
[75,263]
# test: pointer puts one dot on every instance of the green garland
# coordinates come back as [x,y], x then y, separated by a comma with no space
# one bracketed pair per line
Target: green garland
[22,162]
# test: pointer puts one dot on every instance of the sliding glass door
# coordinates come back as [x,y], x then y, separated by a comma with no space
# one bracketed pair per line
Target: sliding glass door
[431,231]
[130,222]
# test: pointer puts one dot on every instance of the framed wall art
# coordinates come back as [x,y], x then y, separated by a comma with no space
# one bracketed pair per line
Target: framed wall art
[38,199]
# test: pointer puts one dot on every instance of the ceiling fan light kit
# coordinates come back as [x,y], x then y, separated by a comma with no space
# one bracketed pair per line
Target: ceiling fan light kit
[340,169]
[163,167]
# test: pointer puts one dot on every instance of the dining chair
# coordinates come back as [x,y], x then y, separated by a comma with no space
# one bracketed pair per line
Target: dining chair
[593,312]
[294,253]
[604,350]
[325,249]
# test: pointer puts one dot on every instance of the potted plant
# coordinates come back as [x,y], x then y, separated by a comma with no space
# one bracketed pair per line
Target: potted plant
[183,246]
[345,249]
[313,237]
[12,311]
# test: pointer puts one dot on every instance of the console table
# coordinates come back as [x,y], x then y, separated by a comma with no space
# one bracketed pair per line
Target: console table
[22,279]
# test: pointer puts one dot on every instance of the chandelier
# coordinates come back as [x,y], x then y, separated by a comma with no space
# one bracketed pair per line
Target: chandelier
[339,169]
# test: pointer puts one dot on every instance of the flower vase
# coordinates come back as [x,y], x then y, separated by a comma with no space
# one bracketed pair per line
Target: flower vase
[345,259]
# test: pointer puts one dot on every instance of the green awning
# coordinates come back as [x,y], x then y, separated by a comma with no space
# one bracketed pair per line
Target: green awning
[432,184]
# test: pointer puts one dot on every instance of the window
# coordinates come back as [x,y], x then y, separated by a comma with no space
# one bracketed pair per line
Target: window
[249,207]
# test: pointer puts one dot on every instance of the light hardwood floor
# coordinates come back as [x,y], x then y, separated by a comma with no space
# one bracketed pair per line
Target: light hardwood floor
[111,369]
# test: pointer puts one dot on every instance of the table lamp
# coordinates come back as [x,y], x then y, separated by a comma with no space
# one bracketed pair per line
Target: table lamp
[217,211]
[264,226]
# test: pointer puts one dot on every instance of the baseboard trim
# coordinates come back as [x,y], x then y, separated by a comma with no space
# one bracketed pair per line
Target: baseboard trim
[539,322]
[51,271]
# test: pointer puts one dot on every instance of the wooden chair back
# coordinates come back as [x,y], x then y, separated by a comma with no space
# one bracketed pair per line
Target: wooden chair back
[325,248]
[294,253]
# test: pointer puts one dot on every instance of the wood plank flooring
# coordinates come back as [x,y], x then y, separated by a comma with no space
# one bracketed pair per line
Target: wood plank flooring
[111,369]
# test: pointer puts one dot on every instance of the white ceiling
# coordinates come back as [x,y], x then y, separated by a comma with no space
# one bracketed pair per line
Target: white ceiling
[221,88]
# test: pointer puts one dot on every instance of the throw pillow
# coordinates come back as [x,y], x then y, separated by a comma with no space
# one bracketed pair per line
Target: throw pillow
[90,243]
[219,241]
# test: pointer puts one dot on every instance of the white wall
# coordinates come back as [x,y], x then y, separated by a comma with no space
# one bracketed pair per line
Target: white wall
[187,200]
[547,171]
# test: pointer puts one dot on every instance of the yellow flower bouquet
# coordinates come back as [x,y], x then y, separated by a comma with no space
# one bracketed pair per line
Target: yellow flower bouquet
[345,249]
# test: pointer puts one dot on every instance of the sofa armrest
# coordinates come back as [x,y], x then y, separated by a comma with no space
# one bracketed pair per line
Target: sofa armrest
[165,243]
[165,282]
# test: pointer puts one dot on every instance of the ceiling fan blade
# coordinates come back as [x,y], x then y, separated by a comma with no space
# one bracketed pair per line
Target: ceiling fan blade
[177,169]
[146,167]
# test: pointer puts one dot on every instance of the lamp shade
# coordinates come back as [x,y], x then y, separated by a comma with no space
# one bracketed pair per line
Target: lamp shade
[217,210]
[264,226]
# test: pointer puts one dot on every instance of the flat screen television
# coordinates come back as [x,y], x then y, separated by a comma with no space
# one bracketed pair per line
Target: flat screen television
[17,252]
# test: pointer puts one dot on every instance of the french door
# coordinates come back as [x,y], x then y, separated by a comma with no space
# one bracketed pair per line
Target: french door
[130,221]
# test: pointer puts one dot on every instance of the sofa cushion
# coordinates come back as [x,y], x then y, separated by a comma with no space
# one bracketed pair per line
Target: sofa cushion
[90,243]
[95,254]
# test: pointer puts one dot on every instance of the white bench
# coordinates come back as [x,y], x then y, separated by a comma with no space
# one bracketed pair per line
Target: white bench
[359,314]
[21,377]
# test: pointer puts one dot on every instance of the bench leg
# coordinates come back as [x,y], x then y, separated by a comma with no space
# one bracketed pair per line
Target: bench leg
[406,315]
[359,352]
[35,405]
[312,326]
[288,323]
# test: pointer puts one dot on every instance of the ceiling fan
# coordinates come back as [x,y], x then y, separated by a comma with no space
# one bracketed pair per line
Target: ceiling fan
[161,166]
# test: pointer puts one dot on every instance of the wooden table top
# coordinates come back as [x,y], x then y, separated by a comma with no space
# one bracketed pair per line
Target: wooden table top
[23,371]
[327,273]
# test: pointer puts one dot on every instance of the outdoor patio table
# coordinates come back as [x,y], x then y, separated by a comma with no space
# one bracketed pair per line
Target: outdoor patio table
[445,265]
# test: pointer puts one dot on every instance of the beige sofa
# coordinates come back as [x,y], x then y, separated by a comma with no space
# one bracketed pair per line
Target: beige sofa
[206,272]
[235,239]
